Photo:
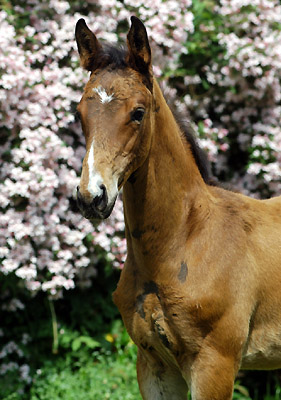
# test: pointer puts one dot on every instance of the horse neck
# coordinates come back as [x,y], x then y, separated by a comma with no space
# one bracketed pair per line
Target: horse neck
[162,197]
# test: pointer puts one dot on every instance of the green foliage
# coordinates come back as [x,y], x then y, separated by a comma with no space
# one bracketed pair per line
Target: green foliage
[86,372]
[202,46]
[83,317]
[100,374]
[107,377]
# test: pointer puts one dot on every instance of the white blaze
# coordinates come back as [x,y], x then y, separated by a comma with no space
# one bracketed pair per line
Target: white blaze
[95,179]
[104,97]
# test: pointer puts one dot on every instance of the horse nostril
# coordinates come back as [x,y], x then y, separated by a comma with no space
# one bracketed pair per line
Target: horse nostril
[100,202]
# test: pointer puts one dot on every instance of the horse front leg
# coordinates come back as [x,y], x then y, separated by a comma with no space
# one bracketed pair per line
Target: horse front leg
[211,376]
[158,381]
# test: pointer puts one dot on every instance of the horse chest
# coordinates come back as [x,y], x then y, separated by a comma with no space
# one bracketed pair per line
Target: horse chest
[150,327]
[144,316]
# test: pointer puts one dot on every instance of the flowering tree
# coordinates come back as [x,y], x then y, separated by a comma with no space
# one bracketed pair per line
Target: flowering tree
[45,241]
[232,90]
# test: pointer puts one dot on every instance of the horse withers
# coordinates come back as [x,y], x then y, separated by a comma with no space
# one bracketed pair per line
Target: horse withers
[200,292]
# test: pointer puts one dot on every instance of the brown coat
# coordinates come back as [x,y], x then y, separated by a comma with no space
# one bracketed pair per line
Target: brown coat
[200,292]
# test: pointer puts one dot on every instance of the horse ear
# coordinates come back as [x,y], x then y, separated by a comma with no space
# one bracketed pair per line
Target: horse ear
[139,55]
[87,43]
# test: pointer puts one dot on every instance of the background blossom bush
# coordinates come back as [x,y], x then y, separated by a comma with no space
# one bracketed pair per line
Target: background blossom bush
[219,63]
[45,242]
[231,86]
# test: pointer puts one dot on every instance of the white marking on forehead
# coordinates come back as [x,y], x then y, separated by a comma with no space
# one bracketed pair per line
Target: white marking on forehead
[104,97]
[95,179]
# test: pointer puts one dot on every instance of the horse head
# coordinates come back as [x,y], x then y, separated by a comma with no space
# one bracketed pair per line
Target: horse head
[116,112]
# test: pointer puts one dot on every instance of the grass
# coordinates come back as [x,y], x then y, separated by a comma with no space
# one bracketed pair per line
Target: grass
[90,369]
[106,378]
[107,375]
[110,377]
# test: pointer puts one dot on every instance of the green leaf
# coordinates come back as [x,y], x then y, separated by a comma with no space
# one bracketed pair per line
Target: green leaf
[86,340]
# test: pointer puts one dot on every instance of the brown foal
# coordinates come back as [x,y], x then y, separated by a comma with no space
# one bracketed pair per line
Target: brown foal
[200,292]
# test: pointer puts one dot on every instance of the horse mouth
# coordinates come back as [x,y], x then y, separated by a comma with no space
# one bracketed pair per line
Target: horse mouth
[93,214]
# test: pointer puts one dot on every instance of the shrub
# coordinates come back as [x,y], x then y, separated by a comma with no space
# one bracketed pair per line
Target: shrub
[45,242]
[230,80]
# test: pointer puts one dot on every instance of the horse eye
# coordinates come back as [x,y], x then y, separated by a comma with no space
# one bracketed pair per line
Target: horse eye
[137,115]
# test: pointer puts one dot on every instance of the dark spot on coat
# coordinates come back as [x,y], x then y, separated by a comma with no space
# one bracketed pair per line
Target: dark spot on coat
[153,228]
[137,233]
[231,210]
[149,288]
[161,332]
[139,305]
[164,339]
[183,272]
[247,226]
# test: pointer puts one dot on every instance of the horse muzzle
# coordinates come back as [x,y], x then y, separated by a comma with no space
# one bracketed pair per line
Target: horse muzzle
[97,208]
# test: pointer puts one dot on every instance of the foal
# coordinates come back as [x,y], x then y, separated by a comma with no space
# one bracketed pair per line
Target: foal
[200,292]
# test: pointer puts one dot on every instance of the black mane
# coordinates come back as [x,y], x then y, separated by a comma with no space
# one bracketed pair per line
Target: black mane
[115,57]
[199,155]
[189,135]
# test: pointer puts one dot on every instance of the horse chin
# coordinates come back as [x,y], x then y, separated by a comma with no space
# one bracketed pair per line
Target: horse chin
[95,215]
